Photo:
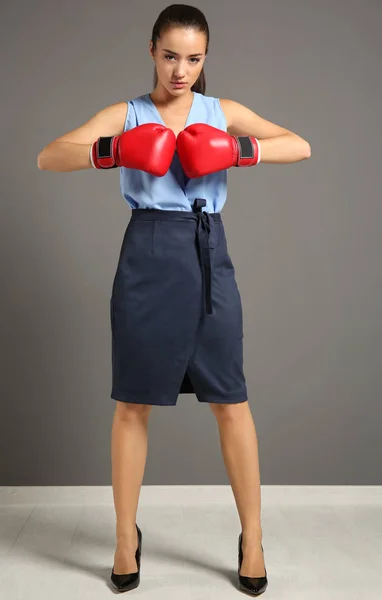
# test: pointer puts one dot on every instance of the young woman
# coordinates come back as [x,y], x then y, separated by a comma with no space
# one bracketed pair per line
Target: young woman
[176,312]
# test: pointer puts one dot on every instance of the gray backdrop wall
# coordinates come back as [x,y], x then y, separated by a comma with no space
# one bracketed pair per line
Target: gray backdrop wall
[305,240]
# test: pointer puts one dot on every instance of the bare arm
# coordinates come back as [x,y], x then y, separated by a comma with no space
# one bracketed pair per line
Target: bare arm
[277,144]
[70,152]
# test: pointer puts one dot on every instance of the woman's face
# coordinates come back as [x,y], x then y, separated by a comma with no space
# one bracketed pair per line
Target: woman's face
[179,57]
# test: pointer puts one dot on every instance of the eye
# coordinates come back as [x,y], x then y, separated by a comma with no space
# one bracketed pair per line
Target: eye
[194,58]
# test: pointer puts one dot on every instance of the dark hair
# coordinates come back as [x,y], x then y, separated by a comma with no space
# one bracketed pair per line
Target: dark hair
[182,15]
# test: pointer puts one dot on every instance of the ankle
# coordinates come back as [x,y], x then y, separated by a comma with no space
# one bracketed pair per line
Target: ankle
[127,539]
[250,534]
[125,530]
[129,548]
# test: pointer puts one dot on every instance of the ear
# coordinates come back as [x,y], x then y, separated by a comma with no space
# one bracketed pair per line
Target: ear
[151,49]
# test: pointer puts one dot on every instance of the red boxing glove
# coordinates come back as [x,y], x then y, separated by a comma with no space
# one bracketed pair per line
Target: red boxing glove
[149,147]
[203,149]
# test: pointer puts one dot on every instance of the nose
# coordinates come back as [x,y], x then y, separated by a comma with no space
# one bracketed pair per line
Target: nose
[180,72]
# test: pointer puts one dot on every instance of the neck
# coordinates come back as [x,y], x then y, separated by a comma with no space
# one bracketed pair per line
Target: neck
[161,97]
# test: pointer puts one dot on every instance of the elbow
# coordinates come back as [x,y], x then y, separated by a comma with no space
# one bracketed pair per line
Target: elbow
[302,147]
[40,161]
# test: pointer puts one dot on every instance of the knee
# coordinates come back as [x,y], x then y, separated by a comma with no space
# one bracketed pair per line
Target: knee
[229,411]
[130,410]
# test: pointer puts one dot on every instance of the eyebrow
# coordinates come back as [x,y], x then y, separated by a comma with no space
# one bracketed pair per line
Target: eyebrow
[176,54]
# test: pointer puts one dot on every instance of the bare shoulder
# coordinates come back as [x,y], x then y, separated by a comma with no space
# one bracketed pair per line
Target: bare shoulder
[106,122]
[227,108]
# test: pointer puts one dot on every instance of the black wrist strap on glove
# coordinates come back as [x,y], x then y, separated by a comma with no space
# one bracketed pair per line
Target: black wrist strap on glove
[102,153]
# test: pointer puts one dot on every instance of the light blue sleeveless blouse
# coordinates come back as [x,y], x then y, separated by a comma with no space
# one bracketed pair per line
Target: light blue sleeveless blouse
[174,191]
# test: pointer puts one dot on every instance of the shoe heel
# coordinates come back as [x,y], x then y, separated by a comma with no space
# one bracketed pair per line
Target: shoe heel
[129,581]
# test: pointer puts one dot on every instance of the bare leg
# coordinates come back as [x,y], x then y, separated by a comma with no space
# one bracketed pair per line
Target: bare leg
[128,455]
[239,447]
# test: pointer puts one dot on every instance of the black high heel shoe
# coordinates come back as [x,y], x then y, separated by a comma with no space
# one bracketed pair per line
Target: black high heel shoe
[128,581]
[251,585]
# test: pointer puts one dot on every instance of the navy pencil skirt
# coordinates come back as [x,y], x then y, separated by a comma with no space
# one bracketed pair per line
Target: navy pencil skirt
[175,309]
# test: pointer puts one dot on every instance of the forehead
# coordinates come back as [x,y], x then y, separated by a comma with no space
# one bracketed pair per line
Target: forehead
[183,41]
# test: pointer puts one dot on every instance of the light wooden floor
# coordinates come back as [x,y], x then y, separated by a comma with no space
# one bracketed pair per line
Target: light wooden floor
[320,542]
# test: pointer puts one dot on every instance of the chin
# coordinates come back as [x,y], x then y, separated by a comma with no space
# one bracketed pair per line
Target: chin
[182,89]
